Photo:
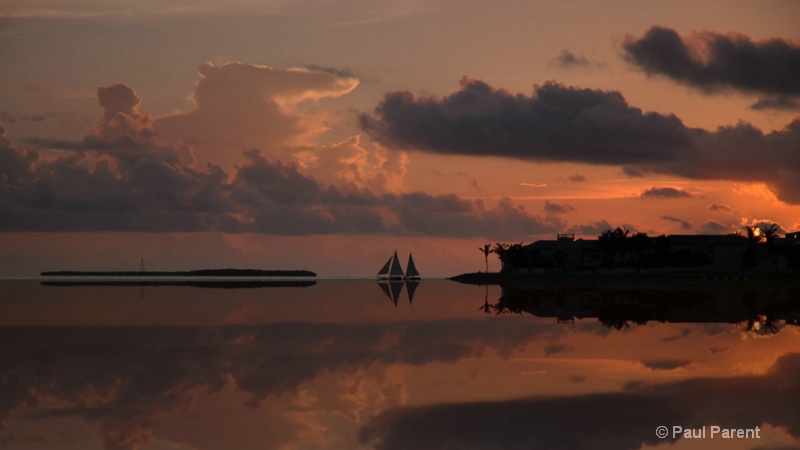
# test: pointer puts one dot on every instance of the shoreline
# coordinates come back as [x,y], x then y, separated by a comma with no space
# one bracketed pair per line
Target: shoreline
[497,278]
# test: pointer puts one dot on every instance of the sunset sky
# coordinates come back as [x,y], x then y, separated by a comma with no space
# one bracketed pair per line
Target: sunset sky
[324,135]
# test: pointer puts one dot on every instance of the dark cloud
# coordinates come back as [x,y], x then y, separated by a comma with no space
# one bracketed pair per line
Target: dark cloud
[593,229]
[555,208]
[781,103]
[684,333]
[684,224]
[15,164]
[712,61]
[566,59]
[539,422]
[569,60]
[665,364]
[665,192]
[554,349]
[718,349]
[567,124]
[124,177]
[719,207]
[557,123]
[713,227]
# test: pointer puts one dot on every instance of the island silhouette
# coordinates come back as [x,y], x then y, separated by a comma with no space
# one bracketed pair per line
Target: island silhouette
[183,273]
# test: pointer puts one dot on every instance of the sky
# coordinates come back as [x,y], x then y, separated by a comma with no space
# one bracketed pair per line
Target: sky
[324,135]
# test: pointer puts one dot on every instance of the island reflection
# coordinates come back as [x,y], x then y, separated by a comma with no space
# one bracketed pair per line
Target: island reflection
[763,307]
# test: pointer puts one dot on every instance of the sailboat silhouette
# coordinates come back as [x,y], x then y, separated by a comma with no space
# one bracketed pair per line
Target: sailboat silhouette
[393,270]
[393,278]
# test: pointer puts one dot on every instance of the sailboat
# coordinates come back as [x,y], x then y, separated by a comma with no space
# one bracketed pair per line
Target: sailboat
[392,269]
[393,273]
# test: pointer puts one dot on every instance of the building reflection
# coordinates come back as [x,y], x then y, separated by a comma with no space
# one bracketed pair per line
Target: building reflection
[763,308]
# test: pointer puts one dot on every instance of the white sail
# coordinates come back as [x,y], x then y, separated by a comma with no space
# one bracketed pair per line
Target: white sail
[411,269]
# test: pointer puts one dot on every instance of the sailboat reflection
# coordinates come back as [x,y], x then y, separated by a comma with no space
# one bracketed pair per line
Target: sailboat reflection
[763,309]
[394,288]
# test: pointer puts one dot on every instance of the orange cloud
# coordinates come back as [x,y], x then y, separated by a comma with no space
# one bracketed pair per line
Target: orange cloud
[238,106]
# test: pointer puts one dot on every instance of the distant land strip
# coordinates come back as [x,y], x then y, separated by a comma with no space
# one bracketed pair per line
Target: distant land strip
[218,284]
[185,273]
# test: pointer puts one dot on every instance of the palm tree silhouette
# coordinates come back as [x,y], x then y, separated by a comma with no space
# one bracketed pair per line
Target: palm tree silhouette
[754,234]
[770,232]
[487,248]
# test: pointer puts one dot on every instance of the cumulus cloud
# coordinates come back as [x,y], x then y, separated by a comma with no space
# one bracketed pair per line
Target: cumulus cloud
[712,61]
[124,177]
[762,224]
[665,192]
[568,124]
[237,106]
[240,106]
[349,162]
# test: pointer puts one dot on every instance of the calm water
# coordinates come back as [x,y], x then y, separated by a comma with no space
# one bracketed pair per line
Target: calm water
[340,365]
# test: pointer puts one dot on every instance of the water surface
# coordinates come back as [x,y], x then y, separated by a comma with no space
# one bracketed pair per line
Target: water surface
[341,364]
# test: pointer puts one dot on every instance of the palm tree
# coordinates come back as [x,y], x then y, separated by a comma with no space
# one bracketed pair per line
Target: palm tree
[770,232]
[511,256]
[754,234]
[487,248]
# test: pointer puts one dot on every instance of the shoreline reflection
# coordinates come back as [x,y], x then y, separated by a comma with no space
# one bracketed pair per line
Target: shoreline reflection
[761,307]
